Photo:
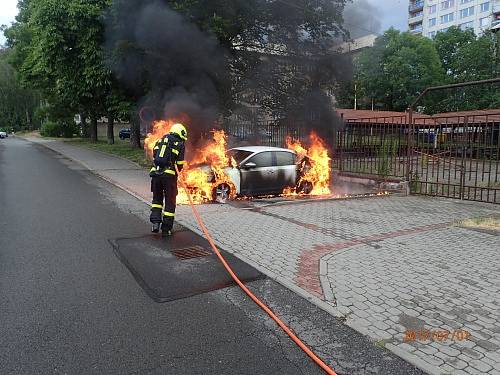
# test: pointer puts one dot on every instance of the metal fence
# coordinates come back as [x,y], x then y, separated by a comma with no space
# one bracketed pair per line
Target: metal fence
[265,133]
[373,146]
[454,156]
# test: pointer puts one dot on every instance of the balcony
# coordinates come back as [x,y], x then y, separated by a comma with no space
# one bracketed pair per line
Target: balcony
[417,29]
[416,6]
[415,19]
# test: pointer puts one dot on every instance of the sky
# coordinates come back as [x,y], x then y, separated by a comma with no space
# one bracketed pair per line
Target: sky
[8,10]
[375,16]
[393,13]
[367,15]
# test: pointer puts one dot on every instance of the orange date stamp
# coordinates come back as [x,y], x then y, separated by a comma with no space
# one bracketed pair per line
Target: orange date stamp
[425,335]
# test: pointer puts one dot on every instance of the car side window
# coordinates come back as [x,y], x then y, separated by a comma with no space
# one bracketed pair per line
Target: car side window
[285,158]
[263,159]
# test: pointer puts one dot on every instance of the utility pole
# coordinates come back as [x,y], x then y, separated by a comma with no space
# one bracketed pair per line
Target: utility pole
[355,95]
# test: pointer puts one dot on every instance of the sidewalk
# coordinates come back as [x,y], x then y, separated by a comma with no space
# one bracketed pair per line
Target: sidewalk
[397,269]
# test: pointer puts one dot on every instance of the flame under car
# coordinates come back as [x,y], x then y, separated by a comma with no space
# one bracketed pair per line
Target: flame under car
[259,171]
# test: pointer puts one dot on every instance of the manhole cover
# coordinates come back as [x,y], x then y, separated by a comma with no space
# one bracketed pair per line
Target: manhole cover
[191,252]
[179,266]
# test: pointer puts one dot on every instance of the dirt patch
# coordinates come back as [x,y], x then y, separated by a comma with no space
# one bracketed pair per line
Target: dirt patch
[489,223]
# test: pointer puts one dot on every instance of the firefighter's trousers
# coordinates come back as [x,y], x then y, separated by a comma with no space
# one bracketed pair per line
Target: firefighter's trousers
[164,189]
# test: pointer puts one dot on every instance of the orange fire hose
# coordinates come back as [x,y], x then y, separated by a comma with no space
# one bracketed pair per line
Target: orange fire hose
[261,304]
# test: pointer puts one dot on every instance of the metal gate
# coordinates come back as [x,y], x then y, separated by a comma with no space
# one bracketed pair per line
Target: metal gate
[455,155]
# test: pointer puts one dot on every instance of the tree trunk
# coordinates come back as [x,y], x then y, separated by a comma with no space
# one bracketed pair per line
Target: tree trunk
[28,120]
[84,126]
[93,129]
[135,130]
[111,131]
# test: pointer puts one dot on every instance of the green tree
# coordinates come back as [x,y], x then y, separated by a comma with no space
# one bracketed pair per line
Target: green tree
[466,57]
[397,69]
[17,104]
[58,49]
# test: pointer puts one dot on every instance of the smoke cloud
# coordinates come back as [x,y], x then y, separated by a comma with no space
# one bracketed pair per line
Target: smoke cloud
[362,18]
[179,63]
[168,63]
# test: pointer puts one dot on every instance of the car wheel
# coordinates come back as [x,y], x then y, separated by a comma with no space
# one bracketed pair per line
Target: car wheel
[221,193]
[305,187]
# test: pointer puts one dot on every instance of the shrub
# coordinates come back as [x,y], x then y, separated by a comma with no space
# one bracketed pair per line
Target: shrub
[51,129]
[69,129]
[59,129]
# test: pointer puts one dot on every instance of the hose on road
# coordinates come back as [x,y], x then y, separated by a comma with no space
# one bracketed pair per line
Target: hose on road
[261,304]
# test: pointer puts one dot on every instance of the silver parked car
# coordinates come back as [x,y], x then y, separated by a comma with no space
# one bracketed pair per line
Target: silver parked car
[261,171]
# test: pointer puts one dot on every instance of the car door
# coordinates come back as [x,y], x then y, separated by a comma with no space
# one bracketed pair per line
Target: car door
[286,170]
[258,178]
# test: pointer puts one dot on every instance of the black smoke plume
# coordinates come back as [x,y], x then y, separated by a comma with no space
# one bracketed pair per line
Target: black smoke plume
[166,62]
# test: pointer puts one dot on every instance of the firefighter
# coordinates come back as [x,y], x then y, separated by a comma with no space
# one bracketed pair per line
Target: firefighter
[168,153]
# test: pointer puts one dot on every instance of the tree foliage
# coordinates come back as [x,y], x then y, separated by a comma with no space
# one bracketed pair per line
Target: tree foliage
[401,65]
[466,57]
[58,50]
[110,57]
[396,69]
[17,104]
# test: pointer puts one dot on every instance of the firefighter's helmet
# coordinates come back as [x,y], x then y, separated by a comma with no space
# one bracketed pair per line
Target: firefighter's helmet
[180,130]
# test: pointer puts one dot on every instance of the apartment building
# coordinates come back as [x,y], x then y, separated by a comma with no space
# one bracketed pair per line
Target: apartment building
[428,17]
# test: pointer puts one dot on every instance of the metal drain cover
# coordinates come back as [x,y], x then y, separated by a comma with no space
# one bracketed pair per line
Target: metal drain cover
[191,252]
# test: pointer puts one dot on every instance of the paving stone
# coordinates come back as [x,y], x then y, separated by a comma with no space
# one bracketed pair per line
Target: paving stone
[433,277]
[428,350]
[468,354]
[481,366]
[433,360]
[458,363]
[449,351]
[473,371]
[494,356]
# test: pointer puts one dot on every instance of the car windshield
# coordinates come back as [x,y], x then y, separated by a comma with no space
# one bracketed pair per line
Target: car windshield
[238,155]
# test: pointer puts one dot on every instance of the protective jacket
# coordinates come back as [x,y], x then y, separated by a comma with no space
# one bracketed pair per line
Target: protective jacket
[167,153]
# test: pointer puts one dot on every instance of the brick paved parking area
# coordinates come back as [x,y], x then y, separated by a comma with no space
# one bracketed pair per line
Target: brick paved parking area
[400,270]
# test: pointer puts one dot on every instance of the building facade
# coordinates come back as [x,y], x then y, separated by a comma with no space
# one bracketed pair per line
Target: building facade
[428,17]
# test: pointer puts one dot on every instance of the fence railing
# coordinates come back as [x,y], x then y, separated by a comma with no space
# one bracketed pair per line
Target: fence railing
[266,133]
[451,155]
[455,155]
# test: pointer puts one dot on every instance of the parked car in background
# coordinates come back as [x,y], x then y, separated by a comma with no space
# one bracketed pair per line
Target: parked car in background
[3,134]
[124,133]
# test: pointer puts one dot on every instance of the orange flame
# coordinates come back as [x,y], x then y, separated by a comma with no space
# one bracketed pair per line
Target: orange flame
[204,171]
[203,181]
[314,165]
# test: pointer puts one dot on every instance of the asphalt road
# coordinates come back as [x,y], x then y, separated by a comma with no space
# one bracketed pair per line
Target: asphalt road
[69,306]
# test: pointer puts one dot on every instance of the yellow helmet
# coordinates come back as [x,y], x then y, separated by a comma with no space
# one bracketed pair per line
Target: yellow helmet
[180,130]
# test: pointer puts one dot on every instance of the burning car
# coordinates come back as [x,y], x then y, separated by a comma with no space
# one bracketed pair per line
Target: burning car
[259,170]
[214,173]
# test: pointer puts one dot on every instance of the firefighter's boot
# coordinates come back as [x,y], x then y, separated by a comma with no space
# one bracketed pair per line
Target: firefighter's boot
[155,228]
